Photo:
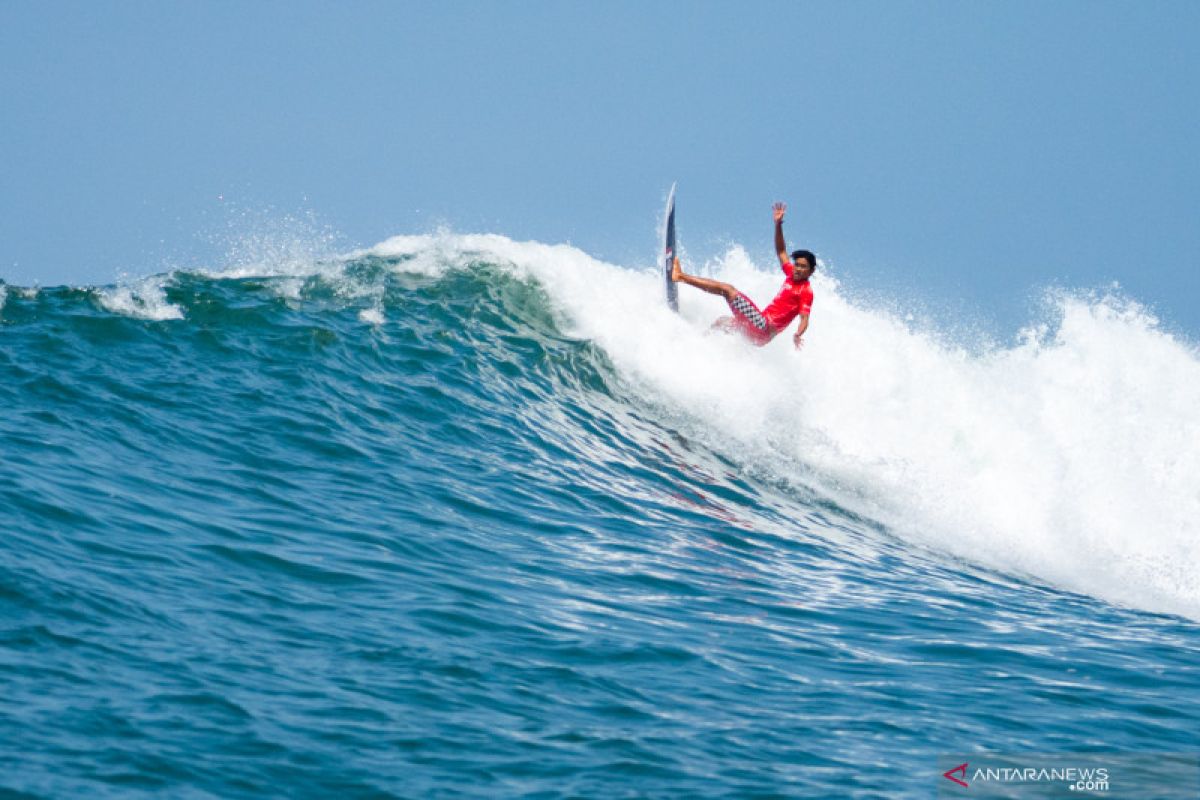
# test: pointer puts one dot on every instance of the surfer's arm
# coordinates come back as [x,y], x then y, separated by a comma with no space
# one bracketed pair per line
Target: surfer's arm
[780,209]
[800,331]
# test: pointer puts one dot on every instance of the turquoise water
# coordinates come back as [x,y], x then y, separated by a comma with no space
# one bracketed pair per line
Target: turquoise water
[420,522]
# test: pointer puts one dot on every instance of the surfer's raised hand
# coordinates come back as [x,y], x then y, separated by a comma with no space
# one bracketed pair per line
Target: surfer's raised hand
[780,209]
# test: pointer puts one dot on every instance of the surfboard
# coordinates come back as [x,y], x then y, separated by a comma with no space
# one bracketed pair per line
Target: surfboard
[669,253]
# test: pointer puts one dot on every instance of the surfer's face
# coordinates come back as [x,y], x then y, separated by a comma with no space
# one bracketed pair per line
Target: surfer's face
[804,270]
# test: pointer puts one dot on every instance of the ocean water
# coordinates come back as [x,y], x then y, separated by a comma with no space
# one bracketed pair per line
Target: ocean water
[458,516]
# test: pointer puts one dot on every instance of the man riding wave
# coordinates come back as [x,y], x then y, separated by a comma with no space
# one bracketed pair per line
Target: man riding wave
[793,300]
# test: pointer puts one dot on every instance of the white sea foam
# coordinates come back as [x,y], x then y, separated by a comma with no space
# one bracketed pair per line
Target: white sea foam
[1070,456]
[371,316]
[23,292]
[144,298]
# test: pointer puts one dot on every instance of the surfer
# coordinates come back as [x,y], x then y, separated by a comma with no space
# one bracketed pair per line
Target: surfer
[794,299]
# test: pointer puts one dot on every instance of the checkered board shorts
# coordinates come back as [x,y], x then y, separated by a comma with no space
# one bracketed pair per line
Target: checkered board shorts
[749,313]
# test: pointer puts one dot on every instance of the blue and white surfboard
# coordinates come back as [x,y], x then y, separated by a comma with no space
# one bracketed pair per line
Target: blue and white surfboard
[669,253]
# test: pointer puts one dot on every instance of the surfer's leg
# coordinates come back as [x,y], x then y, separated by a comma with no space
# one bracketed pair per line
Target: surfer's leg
[724,325]
[704,284]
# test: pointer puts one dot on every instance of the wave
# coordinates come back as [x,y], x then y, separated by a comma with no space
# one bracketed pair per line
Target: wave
[1064,458]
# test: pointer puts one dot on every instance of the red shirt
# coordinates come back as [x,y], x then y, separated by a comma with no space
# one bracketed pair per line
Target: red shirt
[793,299]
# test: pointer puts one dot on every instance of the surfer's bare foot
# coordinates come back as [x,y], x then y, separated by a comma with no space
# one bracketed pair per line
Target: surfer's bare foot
[676,271]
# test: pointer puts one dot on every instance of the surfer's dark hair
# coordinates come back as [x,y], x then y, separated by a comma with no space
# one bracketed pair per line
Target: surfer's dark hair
[799,254]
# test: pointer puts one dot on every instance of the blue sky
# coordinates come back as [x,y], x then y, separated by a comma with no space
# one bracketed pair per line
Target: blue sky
[957,156]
